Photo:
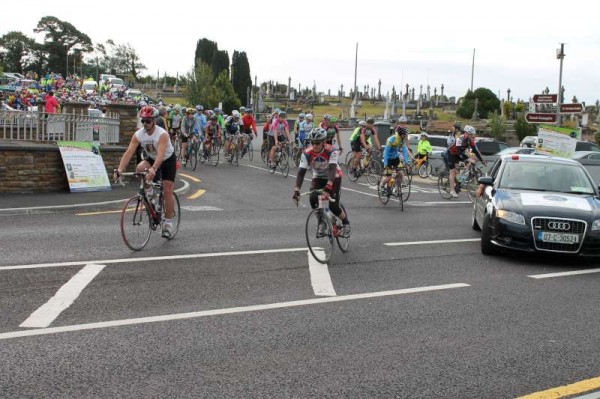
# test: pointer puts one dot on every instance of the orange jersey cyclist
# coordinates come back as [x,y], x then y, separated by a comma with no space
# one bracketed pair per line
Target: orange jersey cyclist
[322,158]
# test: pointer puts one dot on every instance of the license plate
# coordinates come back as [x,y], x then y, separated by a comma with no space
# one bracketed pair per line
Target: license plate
[562,238]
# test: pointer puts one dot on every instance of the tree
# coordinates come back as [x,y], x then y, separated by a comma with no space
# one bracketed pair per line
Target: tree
[205,51]
[17,52]
[523,128]
[487,103]
[200,87]
[60,38]
[497,126]
[220,63]
[240,75]
[127,61]
[226,93]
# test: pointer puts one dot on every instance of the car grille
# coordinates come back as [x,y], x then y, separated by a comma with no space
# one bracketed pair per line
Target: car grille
[544,224]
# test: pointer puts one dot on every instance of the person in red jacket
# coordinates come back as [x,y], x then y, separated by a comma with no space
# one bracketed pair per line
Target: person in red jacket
[51,106]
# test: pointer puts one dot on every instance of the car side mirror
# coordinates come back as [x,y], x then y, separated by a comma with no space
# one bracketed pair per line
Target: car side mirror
[487,180]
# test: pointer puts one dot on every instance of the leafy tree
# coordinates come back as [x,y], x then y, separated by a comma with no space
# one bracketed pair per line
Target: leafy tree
[240,75]
[226,93]
[497,126]
[200,87]
[523,128]
[220,63]
[127,61]
[205,51]
[60,38]
[17,52]
[487,102]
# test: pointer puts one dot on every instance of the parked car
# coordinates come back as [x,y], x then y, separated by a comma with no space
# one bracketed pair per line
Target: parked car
[489,146]
[438,143]
[528,141]
[538,203]
[586,146]
[89,86]
[591,161]
[516,150]
[116,82]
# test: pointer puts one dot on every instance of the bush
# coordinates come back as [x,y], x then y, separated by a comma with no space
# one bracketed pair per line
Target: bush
[497,126]
[523,128]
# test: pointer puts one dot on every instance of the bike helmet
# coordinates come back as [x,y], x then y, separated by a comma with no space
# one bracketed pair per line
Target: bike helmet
[242,109]
[249,110]
[214,117]
[370,121]
[470,130]
[333,119]
[402,131]
[301,116]
[147,112]
[326,117]
[282,113]
[217,110]
[457,125]
[309,117]
[317,134]
[190,110]
[362,123]
[199,107]
[424,134]
[235,113]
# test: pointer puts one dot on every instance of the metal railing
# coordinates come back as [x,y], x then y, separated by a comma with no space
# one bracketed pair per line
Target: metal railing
[37,126]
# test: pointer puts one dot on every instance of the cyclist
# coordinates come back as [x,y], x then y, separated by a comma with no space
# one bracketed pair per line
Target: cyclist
[160,156]
[280,132]
[396,150]
[329,123]
[297,123]
[322,158]
[219,114]
[248,128]
[232,128]
[212,131]
[306,126]
[458,152]
[362,137]
[423,147]
[200,118]
[187,131]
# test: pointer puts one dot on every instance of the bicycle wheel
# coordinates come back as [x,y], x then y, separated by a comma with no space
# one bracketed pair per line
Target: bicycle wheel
[194,156]
[383,192]
[406,185]
[343,242]
[250,151]
[135,224]
[235,156]
[472,185]
[444,186]
[319,236]
[176,216]
[264,152]
[348,160]
[437,167]
[373,171]
[424,170]
[284,164]
[399,190]
[214,156]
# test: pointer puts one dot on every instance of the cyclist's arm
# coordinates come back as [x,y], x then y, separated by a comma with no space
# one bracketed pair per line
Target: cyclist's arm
[363,141]
[133,145]
[477,153]
[376,141]
[300,178]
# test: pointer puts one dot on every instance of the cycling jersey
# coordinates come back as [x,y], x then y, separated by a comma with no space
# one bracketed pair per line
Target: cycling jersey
[149,142]
[249,124]
[423,147]
[232,126]
[279,126]
[366,131]
[212,128]
[304,128]
[393,145]
[462,143]
[319,161]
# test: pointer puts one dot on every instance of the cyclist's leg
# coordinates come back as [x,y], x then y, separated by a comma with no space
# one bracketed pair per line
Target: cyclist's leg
[168,170]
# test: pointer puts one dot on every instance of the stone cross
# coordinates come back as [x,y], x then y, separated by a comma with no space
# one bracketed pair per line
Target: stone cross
[508,95]
[289,86]
[379,90]
[428,92]
[412,98]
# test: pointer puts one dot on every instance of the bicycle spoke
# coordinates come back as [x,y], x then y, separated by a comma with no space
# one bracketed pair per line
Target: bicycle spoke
[135,224]
[319,236]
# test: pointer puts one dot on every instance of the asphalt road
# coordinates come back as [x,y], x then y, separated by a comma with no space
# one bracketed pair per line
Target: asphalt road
[230,307]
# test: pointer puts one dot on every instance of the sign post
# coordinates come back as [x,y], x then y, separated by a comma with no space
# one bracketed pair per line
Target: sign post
[571,108]
[536,117]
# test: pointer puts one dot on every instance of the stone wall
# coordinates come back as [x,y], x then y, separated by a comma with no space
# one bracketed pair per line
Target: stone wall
[30,167]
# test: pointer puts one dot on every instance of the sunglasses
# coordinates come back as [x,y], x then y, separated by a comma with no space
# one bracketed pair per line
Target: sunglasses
[317,142]
[147,121]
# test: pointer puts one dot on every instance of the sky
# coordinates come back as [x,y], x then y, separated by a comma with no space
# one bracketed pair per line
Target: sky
[419,43]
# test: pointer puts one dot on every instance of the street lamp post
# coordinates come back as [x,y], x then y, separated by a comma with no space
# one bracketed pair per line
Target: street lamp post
[560,54]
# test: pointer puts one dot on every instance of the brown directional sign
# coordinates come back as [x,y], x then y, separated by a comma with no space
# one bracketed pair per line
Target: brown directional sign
[540,118]
[571,108]
[545,98]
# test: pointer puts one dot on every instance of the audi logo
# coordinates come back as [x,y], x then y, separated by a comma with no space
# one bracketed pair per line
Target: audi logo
[559,226]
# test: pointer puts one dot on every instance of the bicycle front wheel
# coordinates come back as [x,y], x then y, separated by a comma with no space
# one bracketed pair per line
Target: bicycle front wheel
[319,236]
[250,151]
[216,148]
[444,186]
[135,223]
[399,187]
[383,192]
[405,184]
[176,216]
[194,156]
[284,164]
[472,186]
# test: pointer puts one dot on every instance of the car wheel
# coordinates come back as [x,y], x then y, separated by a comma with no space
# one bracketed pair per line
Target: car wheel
[474,224]
[487,248]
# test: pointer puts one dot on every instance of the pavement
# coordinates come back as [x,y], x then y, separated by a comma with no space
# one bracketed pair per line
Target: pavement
[65,201]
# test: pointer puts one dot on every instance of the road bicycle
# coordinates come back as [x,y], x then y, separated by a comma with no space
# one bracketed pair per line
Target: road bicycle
[282,160]
[210,154]
[422,166]
[466,179]
[233,155]
[297,151]
[142,215]
[193,151]
[321,228]
[368,166]
[247,147]
[395,187]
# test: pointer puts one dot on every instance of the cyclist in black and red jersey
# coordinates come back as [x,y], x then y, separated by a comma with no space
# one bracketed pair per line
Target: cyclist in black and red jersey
[322,158]
[458,152]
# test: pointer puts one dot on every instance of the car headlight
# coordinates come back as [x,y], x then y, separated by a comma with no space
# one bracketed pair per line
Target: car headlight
[514,217]
[596,224]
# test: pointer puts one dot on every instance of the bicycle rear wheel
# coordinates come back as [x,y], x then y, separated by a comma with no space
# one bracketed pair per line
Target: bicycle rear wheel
[264,152]
[424,170]
[373,171]
[444,186]
[135,223]
[194,156]
[383,192]
[235,156]
[284,164]
[176,216]
[250,151]
[214,158]
[319,239]
[406,185]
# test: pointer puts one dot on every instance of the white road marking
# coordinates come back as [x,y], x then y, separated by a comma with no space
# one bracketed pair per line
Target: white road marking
[201,208]
[395,244]
[153,258]
[218,312]
[319,277]
[564,274]
[63,298]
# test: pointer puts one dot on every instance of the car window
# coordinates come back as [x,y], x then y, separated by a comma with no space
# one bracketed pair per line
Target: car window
[538,176]
[488,147]
[495,167]
[586,146]
[438,141]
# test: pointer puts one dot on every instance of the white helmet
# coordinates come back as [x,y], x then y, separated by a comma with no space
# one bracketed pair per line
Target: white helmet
[362,123]
[309,117]
[424,134]
[470,130]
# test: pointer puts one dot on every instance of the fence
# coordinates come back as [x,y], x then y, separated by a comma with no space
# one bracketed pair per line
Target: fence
[38,126]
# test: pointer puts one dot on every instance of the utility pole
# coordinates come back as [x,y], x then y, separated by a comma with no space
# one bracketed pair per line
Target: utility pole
[355,70]
[560,54]
[472,69]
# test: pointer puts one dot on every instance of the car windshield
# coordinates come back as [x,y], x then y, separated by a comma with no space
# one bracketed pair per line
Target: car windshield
[538,176]
[116,81]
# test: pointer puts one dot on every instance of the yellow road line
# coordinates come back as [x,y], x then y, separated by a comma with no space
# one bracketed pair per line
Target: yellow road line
[197,194]
[192,178]
[102,212]
[566,390]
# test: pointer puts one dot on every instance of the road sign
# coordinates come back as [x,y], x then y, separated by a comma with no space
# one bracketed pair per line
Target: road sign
[545,98]
[540,118]
[571,108]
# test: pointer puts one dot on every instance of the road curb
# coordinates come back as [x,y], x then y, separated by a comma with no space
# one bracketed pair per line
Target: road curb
[87,207]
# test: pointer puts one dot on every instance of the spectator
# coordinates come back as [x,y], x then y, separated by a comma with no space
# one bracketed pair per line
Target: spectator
[51,106]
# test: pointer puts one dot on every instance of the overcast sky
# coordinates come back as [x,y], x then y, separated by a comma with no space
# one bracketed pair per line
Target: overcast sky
[416,43]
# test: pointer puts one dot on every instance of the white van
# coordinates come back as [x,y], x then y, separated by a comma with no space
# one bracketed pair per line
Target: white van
[116,82]
[103,77]
[89,86]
